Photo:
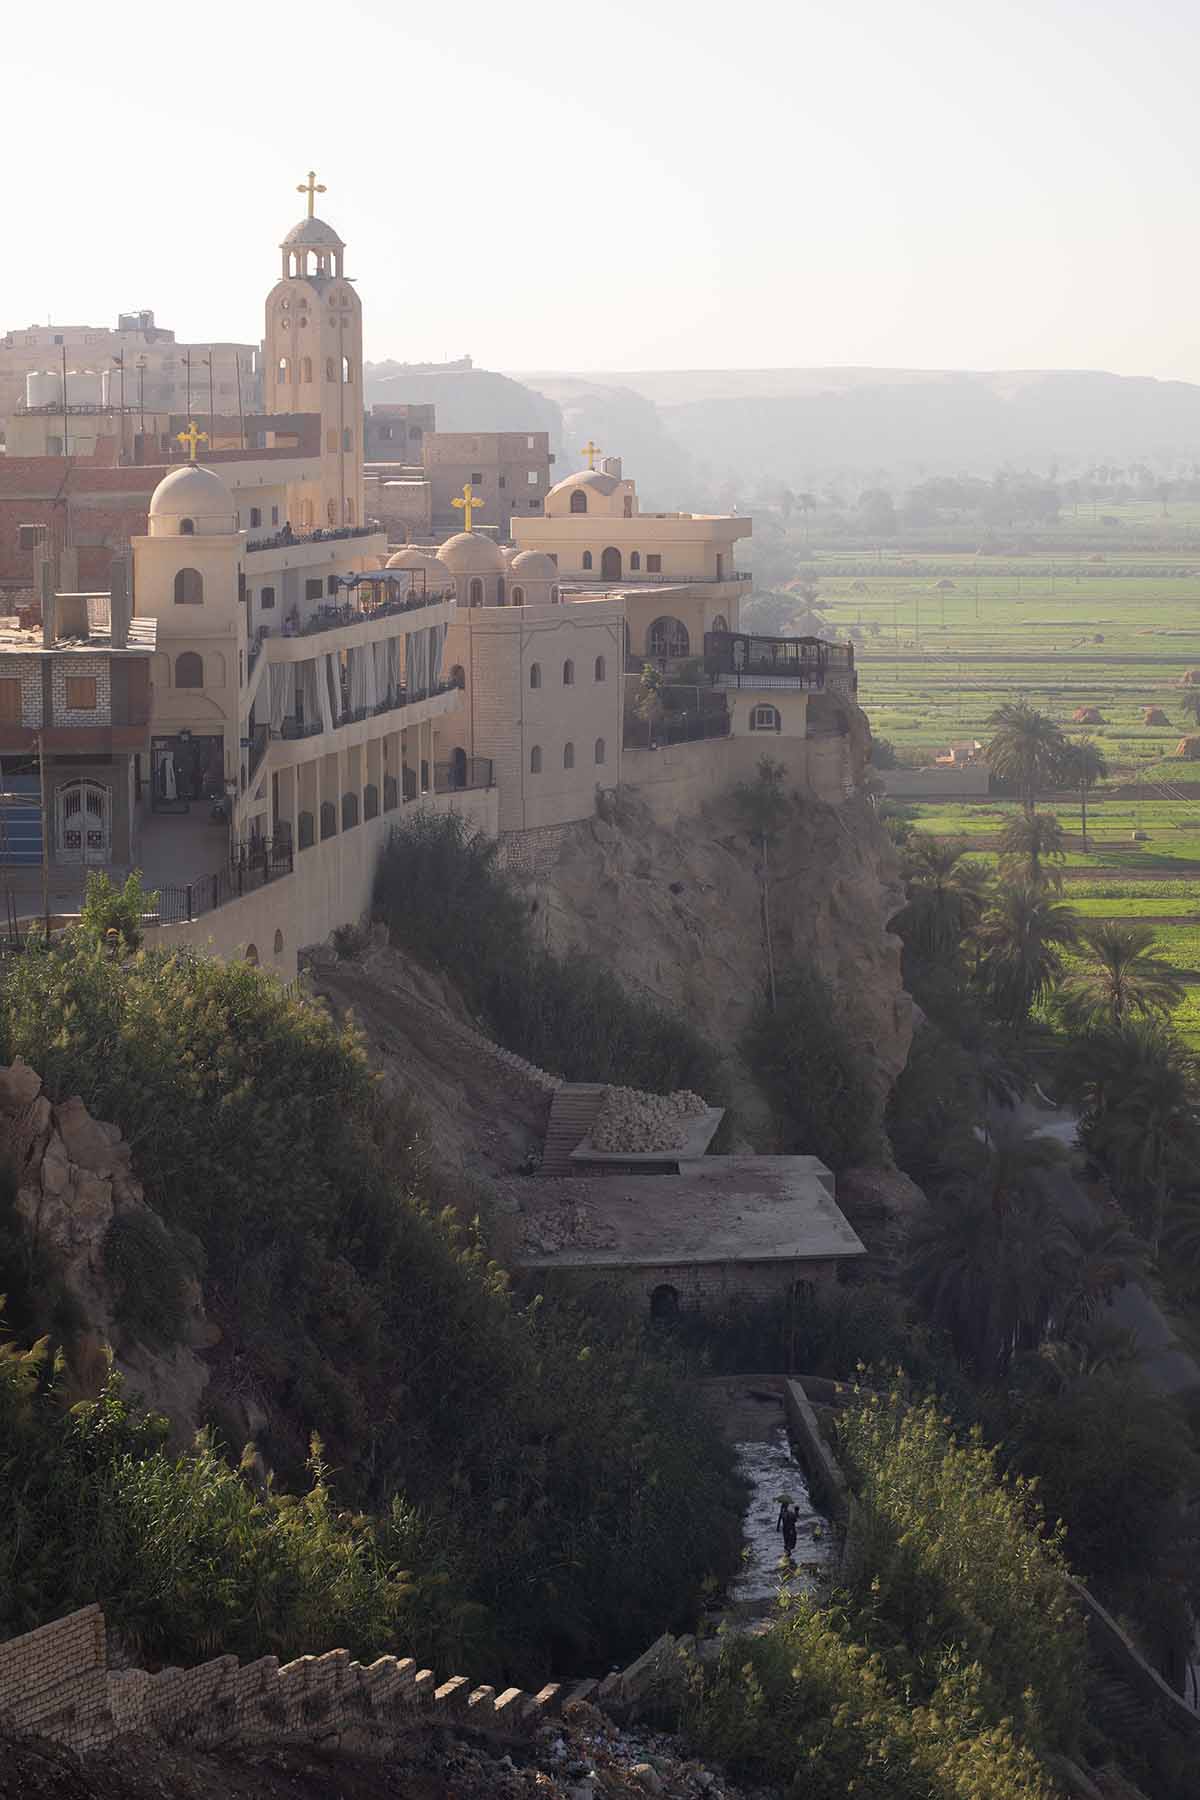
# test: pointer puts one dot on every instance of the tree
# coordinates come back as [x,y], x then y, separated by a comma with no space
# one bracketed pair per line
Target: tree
[1026,749]
[112,916]
[1138,1090]
[947,894]
[990,1262]
[876,513]
[1022,938]
[763,806]
[1119,977]
[1083,767]
[1029,848]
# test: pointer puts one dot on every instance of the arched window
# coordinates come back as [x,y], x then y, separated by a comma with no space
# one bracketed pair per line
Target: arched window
[578,501]
[499,590]
[601,752]
[306,368]
[635,559]
[370,801]
[307,835]
[251,955]
[600,671]
[610,563]
[330,369]
[765,718]
[349,811]
[664,1302]
[475,592]
[668,637]
[266,599]
[279,943]
[535,760]
[347,371]
[331,512]
[518,596]
[568,673]
[458,677]
[328,820]
[568,756]
[554,596]
[349,512]
[187,527]
[719,623]
[189,670]
[189,587]
[535,675]
[587,559]
[284,371]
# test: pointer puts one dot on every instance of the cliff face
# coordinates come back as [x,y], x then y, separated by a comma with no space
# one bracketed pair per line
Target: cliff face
[676,912]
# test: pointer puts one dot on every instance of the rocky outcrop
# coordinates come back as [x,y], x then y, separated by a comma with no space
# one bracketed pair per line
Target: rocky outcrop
[73,1176]
[676,912]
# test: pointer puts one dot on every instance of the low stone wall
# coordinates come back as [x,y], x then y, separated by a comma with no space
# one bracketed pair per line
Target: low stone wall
[677,780]
[55,1683]
[826,1481]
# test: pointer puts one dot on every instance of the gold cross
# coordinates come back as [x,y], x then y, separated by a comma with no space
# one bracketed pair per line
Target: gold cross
[591,451]
[310,187]
[191,437]
[467,505]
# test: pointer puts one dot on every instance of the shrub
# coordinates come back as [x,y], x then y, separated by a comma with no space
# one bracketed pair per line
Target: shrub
[108,909]
[150,1272]
[813,1073]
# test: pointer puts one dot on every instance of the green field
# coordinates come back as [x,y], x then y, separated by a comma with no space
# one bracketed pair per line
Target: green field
[1064,633]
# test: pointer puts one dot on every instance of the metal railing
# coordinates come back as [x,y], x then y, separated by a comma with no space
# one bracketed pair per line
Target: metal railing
[252,866]
[678,728]
[467,772]
[323,534]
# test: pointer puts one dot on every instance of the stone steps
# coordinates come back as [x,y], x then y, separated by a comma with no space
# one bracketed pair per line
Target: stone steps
[573,1112]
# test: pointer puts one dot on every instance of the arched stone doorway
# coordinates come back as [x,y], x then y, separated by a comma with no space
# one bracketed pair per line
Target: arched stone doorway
[610,564]
[668,637]
[664,1302]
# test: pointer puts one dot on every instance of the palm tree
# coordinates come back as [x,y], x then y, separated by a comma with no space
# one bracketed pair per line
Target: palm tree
[991,1261]
[1029,846]
[1026,748]
[1083,767]
[1118,978]
[947,894]
[1138,1089]
[1021,940]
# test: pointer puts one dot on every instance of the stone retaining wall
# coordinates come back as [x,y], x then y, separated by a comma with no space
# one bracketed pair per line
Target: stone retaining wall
[55,1683]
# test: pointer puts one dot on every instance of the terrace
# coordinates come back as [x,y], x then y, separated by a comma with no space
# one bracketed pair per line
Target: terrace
[736,659]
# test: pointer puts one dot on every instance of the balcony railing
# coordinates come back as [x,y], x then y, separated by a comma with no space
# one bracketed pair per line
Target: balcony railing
[333,618]
[323,534]
[305,728]
[740,659]
[467,772]
[251,866]
[674,728]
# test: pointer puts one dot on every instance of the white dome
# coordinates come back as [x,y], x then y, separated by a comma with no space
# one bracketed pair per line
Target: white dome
[595,479]
[193,493]
[534,565]
[312,234]
[411,557]
[469,553]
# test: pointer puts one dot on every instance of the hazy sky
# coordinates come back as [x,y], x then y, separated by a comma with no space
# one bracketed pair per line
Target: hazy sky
[565,184]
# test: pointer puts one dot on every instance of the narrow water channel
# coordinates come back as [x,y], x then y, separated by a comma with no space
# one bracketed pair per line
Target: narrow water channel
[772,1471]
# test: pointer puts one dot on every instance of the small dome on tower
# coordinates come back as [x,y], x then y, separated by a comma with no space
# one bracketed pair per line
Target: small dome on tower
[312,234]
[192,502]
[534,565]
[470,553]
[594,479]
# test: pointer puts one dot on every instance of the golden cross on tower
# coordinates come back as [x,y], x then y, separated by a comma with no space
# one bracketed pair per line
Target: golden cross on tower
[310,187]
[467,505]
[191,437]
[591,451]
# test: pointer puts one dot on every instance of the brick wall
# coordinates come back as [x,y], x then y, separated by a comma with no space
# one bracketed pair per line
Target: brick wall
[707,1285]
[97,668]
[55,1683]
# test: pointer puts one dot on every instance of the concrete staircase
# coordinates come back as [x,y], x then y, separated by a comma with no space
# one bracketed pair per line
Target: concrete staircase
[572,1114]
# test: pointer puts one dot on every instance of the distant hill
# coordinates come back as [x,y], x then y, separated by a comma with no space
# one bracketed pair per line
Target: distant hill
[799,425]
[466,399]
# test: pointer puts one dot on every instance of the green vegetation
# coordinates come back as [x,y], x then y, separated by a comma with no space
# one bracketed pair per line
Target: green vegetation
[543,1451]
[445,901]
[812,1072]
[113,915]
[951,1661]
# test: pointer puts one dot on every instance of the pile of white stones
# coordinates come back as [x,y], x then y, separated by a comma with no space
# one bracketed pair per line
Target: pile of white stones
[638,1124]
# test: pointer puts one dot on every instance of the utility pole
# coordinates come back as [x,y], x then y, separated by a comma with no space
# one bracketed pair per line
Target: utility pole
[187,363]
[45,836]
[212,413]
[237,363]
[141,369]
[64,385]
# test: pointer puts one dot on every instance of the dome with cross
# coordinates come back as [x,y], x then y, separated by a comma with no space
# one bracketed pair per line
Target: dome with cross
[192,502]
[312,234]
[470,553]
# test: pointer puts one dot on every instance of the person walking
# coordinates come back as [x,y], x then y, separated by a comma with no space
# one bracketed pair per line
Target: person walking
[788,1523]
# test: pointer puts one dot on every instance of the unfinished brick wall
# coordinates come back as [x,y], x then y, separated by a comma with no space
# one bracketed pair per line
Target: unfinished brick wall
[55,1683]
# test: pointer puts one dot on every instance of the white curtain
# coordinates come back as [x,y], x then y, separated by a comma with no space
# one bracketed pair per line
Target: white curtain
[416,662]
[283,681]
[379,657]
[437,643]
[331,689]
[311,691]
[393,664]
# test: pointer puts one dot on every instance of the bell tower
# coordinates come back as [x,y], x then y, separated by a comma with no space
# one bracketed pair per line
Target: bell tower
[313,360]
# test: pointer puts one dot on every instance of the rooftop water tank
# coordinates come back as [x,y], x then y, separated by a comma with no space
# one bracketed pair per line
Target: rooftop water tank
[42,389]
